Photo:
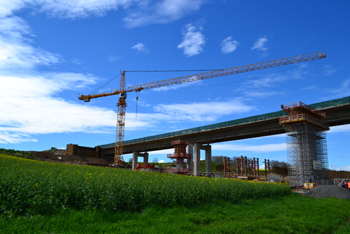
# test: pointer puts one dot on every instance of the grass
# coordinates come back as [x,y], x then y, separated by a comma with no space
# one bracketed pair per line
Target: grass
[289,214]
[41,197]
[35,187]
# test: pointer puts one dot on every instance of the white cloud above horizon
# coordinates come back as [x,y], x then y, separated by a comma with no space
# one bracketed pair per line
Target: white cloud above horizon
[342,91]
[228,45]
[260,44]
[138,13]
[328,70]
[204,111]
[193,40]
[140,47]
[161,12]
[16,51]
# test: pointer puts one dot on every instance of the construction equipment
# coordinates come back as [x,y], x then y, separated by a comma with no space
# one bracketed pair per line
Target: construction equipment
[306,143]
[118,157]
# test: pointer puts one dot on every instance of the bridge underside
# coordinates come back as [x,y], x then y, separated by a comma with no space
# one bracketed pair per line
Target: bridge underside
[338,114]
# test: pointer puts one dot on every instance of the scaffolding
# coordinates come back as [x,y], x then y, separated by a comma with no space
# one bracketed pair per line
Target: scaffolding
[245,168]
[179,157]
[306,143]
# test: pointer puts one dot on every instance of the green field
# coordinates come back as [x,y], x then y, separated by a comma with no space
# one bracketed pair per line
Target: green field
[41,197]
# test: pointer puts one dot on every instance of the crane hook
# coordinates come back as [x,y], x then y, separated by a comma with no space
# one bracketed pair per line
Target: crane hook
[137,100]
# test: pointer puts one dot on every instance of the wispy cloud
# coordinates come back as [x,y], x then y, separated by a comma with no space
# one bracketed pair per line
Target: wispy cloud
[328,70]
[260,44]
[340,128]
[64,8]
[193,40]
[343,91]
[6,137]
[161,12]
[113,58]
[140,47]
[204,111]
[228,45]
[275,78]
[16,51]
[179,86]
[77,61]
[138,13]
[337,168]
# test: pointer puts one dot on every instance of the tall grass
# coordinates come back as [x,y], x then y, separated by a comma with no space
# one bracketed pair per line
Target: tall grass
[35,187]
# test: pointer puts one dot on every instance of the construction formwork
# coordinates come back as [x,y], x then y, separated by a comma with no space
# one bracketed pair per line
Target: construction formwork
[306,143]
[180,156]
[245,168]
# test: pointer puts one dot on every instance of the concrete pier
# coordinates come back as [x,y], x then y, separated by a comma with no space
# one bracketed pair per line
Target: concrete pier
[135,156]
[197,159]
[190,161]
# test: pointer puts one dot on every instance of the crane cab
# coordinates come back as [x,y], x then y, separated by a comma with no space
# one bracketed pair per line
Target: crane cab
[122,96]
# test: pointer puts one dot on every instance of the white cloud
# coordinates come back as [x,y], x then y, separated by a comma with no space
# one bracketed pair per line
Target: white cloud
[328,70]
[6,137]
[251,148]
[260,44]
[76,61]
[343,91]
[178,86]
[139,47]
[193,40]
[15,49]
[139,13]
[337,168]
[228,45]
[161,12]
[65,8]
[113,58]
[161,161]
[205,111]
[79,8]
[257,94]
[7,7]
[274,79]
[340,128]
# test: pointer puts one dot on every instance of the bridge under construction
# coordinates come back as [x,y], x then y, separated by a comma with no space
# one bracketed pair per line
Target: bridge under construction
[337,113]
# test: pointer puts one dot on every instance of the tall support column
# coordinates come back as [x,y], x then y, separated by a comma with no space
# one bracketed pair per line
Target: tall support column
[135,156]
[190,161]
[197,159]
[208,160]
[134,160]
[145,157]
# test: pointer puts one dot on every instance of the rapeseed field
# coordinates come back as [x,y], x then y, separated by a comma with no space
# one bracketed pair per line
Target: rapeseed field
[29,187]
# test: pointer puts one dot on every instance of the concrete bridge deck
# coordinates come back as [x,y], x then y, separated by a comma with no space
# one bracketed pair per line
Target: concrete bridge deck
[337,113]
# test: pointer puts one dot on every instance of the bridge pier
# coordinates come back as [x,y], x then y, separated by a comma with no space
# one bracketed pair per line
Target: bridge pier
[197,159]
[190,161]
[135,155]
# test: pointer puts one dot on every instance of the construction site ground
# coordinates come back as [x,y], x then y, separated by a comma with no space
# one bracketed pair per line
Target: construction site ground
[59,156]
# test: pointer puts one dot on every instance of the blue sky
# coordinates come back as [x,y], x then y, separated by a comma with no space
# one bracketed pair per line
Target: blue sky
[51,51]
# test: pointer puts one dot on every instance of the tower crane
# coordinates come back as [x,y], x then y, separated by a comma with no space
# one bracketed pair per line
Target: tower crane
[123,90]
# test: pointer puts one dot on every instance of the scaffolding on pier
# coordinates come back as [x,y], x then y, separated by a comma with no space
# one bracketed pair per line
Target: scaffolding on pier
[306,143]
[179,157]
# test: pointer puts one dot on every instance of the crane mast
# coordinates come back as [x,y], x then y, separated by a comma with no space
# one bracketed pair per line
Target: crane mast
[119,142]
[118,157]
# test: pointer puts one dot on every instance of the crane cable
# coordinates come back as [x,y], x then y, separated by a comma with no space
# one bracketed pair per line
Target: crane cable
[104,85]
[115,77]
[176,70]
